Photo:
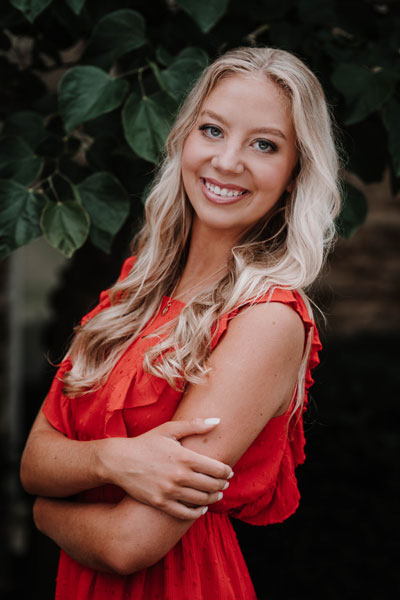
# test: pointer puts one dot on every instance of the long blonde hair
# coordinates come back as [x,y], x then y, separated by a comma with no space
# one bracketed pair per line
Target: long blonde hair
[285,249]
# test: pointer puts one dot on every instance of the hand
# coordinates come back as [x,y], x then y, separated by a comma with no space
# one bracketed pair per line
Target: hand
[155,469]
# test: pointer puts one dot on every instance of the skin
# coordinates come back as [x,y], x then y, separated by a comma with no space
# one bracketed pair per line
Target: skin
[261,350]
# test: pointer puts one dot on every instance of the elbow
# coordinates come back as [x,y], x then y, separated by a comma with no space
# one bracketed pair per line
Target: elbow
[25,477]
[124,560]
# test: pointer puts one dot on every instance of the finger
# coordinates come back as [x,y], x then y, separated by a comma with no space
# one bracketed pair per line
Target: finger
[181,429]
[204,483]
[185,513]
[190,496]
[209,466]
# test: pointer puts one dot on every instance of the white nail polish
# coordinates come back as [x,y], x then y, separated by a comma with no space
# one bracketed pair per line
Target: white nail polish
[226,485]
[230,475]
[212,421]
[220,496]
[205,509]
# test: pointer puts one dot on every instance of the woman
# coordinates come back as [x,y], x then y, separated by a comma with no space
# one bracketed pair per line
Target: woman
[209,318]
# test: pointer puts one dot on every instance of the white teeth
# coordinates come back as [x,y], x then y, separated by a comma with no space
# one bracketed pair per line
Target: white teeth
[222,191]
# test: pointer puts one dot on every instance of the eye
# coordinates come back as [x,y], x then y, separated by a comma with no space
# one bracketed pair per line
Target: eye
[211,131]
[265,146]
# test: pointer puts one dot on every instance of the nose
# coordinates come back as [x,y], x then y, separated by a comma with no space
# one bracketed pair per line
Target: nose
[228,159]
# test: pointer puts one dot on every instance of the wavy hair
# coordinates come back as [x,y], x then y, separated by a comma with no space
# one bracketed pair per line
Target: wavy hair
[286,248]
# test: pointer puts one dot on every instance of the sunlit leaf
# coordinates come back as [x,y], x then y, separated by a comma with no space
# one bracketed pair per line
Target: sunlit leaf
[65,225]
[183,72]
[87,92]
[146,123]
[20,210]
[108,205]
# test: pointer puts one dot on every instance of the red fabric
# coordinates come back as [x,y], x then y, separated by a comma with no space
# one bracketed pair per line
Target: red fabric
[207,562]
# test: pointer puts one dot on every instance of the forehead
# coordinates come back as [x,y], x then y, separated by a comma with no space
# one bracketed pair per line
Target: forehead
[252,96]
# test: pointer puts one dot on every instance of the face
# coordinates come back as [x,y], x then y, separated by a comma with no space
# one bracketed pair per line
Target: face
[239,158]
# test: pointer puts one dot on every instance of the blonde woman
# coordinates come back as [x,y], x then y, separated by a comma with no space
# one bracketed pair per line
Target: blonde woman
[198,359]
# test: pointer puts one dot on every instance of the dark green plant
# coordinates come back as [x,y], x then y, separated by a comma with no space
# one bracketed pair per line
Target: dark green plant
[89,89]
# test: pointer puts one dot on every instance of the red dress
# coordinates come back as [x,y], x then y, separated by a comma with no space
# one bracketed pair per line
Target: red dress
[207,562]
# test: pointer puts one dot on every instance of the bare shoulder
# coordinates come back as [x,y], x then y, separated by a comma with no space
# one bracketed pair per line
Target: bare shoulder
[263,325]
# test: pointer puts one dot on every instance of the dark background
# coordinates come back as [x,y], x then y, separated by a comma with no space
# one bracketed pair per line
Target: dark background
[341,542]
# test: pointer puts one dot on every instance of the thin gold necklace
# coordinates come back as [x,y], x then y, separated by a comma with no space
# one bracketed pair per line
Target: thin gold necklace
[171,297]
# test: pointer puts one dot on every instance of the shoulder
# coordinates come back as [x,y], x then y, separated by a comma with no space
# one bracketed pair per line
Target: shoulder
[278,317]
[267,326]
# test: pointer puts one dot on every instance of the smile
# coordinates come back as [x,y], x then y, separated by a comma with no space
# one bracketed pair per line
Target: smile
[222,193]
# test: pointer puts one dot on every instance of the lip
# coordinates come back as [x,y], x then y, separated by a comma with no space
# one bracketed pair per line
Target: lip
[215,199]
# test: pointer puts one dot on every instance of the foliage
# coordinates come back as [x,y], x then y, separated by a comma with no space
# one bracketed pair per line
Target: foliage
[93,85]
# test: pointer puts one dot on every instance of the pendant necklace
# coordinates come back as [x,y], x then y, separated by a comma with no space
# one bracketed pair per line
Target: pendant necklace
[171,298]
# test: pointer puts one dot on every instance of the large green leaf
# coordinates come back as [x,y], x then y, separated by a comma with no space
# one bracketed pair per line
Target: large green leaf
[116,34]
[17,160]
[391,119]
[65,225]
[205,13]
[182,72]
[354,211]
[31,8]
[365,90]
[146,123]
[108,205]
[76,5]
[20,211]
[26,124]
[87,92]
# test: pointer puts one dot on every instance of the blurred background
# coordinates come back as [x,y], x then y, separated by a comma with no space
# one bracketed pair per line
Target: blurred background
[72,175]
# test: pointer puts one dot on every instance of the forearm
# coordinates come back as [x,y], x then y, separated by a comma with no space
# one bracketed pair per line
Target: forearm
[53,465]
[116,538]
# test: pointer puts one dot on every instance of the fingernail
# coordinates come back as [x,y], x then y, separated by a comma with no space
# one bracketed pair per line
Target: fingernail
[212,421]
[220,496]
[204,510]
[226,485]
[230,475]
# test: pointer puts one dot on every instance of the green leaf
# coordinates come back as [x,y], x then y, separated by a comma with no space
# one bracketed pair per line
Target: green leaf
[116,34]
[365,90]
[205,13]
[65,225]
[354,211]
[146,122]
[31,8]
[87,92]
[391,120]
[76,5]
[20,210]
[183,72]
[17,160]
[108,206]
[26,124]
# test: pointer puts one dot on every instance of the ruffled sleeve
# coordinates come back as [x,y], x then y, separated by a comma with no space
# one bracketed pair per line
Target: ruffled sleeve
[57,407]
[264,489]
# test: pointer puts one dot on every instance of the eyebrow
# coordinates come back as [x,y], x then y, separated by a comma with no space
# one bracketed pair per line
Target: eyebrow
[267,130]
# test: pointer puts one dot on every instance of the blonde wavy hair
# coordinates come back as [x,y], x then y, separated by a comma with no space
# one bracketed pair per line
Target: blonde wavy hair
[285,249]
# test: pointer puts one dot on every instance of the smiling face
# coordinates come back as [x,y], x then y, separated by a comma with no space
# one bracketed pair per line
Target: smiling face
[239,158]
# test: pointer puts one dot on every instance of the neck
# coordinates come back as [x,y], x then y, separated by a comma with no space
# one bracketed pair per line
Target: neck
[208,255]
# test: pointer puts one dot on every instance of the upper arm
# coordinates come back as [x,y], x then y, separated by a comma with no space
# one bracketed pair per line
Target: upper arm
[254,373]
